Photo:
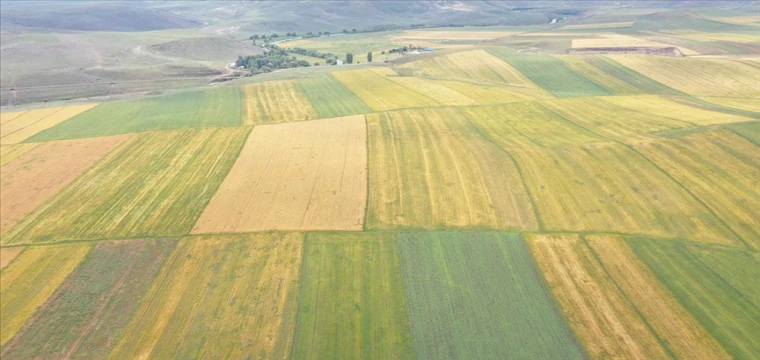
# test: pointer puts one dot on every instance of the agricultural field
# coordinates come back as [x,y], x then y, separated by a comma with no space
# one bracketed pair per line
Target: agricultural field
[17,127]
[9,153]
[297,176]
[454,279]
[276,102]
[612,40]
[582,66]
[330,98]
[381,93]
[414,35]
[610,25]
[217,107]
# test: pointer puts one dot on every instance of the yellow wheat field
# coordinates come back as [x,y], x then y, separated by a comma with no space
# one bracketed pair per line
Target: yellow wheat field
[612,188]
[609,25]
[699,77]
[713,36]
[720,168]
[276,102]
[667,318]
[451,35]
[379,92]
[306,175]
[19,128]
[430,169]
[750,20]
[599,76]
[9,153]
[219,297]
[654,105]
[746,103]
[28,282]
[599,314]
[441,93]
[8,254]
[491,94]
[619,40]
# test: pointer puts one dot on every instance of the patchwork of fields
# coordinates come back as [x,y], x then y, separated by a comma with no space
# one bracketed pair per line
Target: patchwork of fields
[478,203]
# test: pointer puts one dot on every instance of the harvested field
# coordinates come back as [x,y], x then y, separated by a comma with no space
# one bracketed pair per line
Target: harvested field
[749,104]
[612,188]
[276,102]
[155,184]
[720,168]
[85,317]
[679,332]
[379,92]
[203,301]
[654,105]
[9,153]
[610,25]
[624,41]
[351,303]
[487,94]
[714,36]
[698,77]
[722,310]
[330,98]
[18,129]
[437,91]
[42,172]
[308,175]
[430,169]
[214,107]
[29,281]
[454,283]
[450,35]
[612,121]
[8,254]
[598,312]
[580,65]
[551,74]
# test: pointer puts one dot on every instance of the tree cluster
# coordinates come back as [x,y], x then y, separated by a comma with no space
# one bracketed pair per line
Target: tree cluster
[273,59]
[310,52]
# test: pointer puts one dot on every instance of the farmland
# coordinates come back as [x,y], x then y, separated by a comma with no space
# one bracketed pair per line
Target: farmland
[474,192]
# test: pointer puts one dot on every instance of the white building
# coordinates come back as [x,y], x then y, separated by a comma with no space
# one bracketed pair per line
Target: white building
[338,62]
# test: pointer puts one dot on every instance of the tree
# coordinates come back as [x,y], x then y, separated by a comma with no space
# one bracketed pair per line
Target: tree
[275,35]
[254,37]
[383,52]
[353,30]
[349,58]
[345,31]
[369,56]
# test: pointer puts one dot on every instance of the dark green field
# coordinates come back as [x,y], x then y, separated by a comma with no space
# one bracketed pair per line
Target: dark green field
[330,97]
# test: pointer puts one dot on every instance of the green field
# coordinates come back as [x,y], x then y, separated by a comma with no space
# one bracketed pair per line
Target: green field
[218,107]
[351,301]
[330,97]
[479,296]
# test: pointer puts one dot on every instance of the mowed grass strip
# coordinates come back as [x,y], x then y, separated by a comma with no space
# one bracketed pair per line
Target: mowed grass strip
[42,172]
[676,328]
[330,98]
[155,184]
[296,176]
[30,279]
[551,74]
[598,312]
[351,303]
[721,169]
[431,169]
[31,122]
[724,311]
[85,316]
[214,107]
[276,102]
[480,295]
[219,297]
[379,92]
[612,188]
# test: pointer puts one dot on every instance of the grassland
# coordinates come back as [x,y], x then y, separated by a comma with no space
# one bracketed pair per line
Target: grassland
[216,107]
[379,92]
[276,102]
[609,25]
[156,184]
[297,176]
[412,35]
[330,98]
[351,301]
[85,317]
[551,74]
[30,279]
[720,168]
[723,311]
[202,301]
[42,172]
[422,175]
[479,295]
[18,128]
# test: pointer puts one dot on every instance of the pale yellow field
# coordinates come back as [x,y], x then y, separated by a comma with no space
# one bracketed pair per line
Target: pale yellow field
[8,254]
[380,93]
[721,169]
[618,40]
[751,20]
[611,188]
[276,102]
[28,282]
[441,93]
[451,35]
[698,77]
[622,24]
[307,175]
[714,36]
[490,94]
[598,313]
[599,76]
[430,169]
[654,105]
[219,297]
[667,318]
[749,104]
[9,153]
[19,128]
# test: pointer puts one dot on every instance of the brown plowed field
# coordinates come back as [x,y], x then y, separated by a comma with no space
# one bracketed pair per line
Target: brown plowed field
[306,175]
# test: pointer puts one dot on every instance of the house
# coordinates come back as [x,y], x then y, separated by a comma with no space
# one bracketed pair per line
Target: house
[338,62]
[428,49]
